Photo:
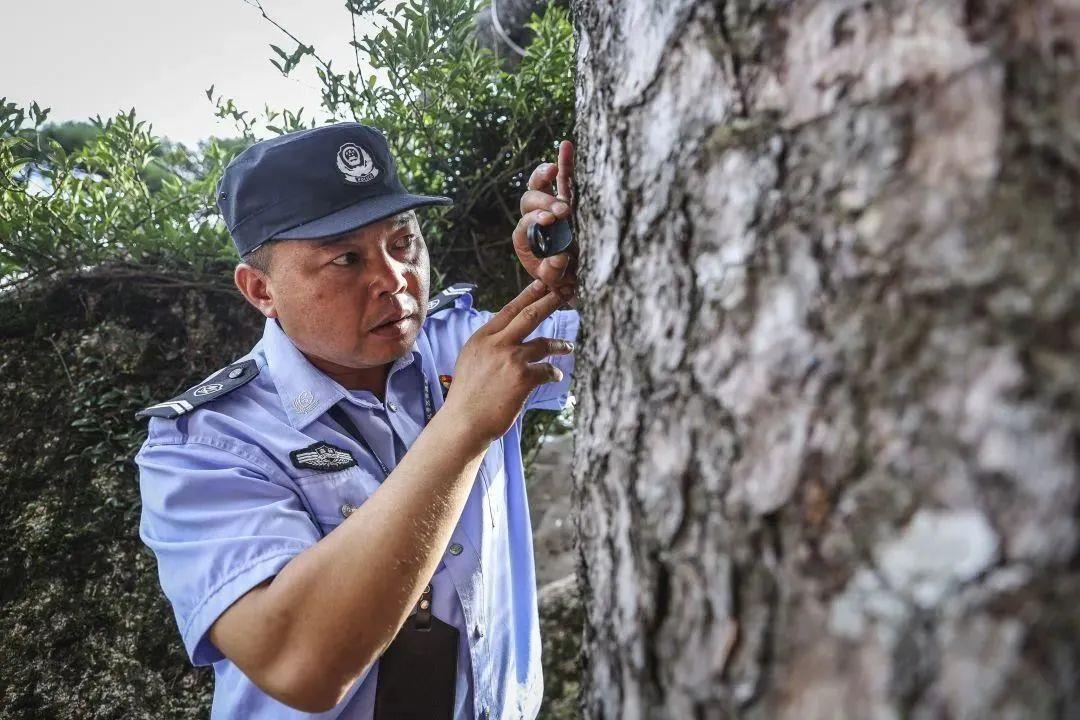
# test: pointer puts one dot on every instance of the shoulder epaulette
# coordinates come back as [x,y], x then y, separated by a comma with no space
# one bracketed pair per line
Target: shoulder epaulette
[220,383]
[445,299]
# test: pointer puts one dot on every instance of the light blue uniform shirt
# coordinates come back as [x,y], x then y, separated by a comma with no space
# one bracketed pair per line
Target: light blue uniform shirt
[224,508]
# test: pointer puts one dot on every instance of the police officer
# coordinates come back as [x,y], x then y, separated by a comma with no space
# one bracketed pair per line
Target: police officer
[339,517]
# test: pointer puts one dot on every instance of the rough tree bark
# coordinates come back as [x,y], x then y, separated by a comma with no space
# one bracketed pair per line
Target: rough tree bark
[829,397]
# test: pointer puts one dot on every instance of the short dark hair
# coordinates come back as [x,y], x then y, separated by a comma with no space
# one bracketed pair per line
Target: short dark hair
[260,258]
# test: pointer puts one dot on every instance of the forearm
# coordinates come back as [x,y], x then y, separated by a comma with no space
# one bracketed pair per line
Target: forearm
[335,607]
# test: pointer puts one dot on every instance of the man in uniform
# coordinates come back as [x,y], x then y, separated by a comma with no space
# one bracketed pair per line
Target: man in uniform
[339,517]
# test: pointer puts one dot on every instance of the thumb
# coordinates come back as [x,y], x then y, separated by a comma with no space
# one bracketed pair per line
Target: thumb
[559,263]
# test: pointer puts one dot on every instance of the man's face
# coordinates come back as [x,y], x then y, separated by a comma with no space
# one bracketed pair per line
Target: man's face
[338,299]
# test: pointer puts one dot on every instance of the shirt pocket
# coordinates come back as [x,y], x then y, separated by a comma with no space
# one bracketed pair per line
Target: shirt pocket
[333,496]
[492,476]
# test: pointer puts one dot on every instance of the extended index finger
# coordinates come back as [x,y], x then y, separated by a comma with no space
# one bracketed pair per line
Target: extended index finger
[563,182]
[533,292]
[542,177]
[531,316]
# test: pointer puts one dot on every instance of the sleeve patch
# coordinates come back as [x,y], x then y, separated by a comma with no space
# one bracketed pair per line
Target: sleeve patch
[220,383]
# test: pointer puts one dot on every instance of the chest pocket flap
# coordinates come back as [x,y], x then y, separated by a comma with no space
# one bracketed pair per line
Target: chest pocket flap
[334,496]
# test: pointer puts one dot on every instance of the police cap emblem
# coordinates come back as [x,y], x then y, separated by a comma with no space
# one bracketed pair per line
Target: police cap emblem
[355,164]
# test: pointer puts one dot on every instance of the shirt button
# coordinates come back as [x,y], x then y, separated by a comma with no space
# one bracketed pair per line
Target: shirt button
[455,548]
[479,631]
[347,510]
[392,407]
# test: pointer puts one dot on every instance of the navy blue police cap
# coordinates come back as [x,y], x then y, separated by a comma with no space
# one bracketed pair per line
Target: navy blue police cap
[313,183]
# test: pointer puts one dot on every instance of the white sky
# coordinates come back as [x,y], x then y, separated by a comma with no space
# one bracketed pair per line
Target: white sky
[101,56]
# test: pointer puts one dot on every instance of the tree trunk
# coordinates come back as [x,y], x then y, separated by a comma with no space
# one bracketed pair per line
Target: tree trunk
[829,391]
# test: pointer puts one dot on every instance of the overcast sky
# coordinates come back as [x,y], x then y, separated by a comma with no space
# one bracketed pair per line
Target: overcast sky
[88,57]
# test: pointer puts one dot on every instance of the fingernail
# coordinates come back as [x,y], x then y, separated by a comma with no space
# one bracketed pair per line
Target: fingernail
[536,284]
[547,167]
[545,217]
[560,208]
[569,346]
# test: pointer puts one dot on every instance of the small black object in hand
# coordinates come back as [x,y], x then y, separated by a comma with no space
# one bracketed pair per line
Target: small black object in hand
[545,241]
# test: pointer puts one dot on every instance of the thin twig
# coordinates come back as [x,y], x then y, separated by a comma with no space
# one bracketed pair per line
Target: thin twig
[493,181]
[476,252]
[258,6]
[542,439]
[417,112]
[154,211]
[16,282]
[62,363]
[356,45]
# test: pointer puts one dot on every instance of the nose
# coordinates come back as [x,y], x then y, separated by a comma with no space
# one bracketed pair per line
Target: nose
[387,275]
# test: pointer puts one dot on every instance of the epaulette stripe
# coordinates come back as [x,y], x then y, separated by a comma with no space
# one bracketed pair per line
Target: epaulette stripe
[179,405]
[217,385]
[446,298]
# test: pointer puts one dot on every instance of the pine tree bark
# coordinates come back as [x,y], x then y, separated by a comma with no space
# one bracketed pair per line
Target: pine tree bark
[829,389]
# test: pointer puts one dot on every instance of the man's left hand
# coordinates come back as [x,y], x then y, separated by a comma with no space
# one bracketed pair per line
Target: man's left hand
[539,205]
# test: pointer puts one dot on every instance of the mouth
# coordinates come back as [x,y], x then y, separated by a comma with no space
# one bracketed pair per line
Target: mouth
[392,318]
[394,325]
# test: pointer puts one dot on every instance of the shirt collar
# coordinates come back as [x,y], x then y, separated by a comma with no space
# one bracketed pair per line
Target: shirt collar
[305,391]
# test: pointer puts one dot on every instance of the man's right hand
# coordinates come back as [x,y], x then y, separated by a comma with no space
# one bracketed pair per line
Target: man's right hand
[496,370]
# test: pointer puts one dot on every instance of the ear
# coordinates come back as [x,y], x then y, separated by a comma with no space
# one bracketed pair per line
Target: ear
[256,288]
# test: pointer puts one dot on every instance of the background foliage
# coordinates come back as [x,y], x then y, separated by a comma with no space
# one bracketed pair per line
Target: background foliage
[459,123]
[115,194]
[115,291]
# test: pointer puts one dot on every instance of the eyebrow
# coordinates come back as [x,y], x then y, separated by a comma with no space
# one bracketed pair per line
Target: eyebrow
[401,220]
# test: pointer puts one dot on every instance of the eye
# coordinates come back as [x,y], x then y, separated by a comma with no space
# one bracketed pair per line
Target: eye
[349,258]
[404,242]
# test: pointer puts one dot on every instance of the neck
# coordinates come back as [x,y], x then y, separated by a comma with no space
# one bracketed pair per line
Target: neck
[372,379]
